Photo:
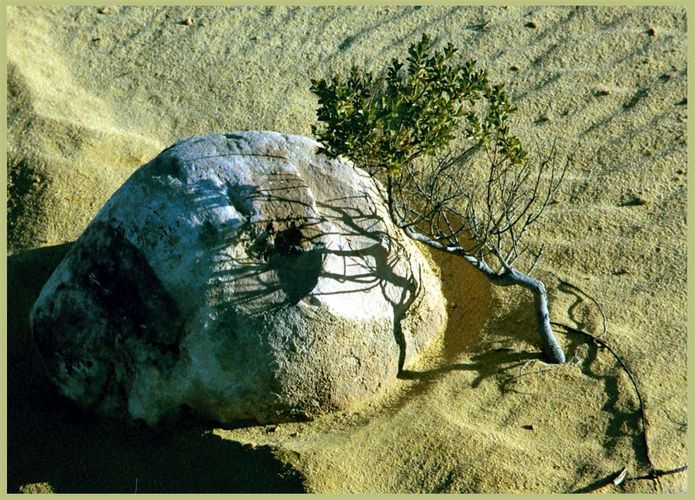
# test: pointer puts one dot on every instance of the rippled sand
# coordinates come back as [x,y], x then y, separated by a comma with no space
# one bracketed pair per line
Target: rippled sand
[93,94]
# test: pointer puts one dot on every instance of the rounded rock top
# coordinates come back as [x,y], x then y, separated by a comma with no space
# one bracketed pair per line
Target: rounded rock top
[243,276]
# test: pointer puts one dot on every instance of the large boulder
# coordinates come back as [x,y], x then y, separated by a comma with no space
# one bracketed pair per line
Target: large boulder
[243,276]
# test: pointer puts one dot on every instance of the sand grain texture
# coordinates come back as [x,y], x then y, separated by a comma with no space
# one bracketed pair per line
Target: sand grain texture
[92,96]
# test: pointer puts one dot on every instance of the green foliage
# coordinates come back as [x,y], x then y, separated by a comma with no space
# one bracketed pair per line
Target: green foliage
[413,110]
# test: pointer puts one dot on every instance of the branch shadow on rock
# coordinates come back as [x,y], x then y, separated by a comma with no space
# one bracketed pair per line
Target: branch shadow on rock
[289,252]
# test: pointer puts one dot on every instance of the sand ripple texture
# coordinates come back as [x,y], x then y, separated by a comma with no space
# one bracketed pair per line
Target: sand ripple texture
[93,93]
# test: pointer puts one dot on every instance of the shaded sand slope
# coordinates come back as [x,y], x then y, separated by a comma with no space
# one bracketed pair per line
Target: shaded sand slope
[92,95]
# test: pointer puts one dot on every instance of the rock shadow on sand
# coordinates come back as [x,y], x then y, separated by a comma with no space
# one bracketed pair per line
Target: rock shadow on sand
[51,441]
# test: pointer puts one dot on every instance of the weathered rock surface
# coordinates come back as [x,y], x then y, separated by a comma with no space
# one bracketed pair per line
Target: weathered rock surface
[241,275]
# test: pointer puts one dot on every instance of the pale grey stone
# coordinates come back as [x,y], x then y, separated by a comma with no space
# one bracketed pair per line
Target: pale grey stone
[243,275]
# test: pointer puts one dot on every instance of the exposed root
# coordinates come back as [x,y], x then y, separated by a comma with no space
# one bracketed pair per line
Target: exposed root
[653,473]
[657,473]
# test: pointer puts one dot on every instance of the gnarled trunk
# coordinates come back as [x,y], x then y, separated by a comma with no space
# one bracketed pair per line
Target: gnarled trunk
[549,345]
[551,349]
[510,276]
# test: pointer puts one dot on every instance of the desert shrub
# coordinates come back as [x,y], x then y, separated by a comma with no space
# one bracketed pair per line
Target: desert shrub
[419,127]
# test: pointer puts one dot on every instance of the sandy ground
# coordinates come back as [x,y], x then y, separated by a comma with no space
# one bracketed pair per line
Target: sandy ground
[93,94]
